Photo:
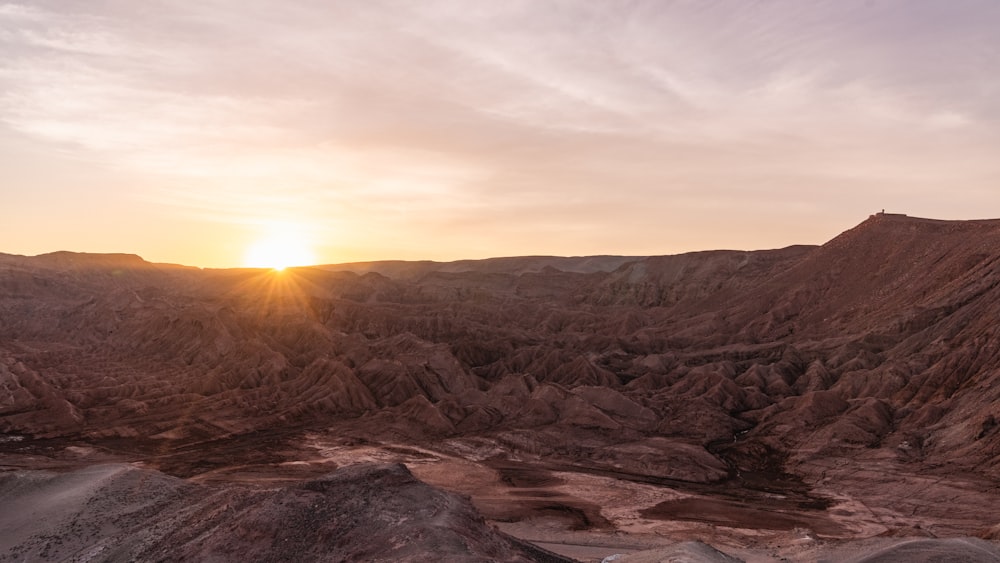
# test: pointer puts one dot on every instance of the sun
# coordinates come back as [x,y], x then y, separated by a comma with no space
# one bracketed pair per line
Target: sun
[278,251]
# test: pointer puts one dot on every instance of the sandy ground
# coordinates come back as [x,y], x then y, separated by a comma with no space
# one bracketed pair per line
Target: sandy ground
[589,516]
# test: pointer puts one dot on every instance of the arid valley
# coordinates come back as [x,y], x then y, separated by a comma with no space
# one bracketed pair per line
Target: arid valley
[812,403]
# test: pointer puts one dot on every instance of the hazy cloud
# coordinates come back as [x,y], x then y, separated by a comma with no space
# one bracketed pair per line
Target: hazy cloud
[634,126]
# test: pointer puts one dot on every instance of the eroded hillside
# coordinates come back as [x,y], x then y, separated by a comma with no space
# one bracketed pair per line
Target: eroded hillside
[847,389]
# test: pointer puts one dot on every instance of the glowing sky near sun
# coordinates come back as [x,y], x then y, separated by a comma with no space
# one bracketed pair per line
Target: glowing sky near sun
[184,131]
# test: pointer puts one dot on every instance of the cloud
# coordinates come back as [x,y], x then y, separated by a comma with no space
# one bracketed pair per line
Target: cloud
[544,114]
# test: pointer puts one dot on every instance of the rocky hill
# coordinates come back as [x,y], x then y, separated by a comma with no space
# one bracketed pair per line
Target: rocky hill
[361,513]
[850,388]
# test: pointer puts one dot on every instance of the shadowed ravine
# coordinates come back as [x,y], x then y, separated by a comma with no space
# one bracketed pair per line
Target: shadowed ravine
[805,402]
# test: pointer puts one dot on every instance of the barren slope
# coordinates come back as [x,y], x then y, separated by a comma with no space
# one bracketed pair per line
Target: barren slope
[848,389]
[121,513]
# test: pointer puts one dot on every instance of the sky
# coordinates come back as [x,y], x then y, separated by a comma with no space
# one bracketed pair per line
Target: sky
[330,131]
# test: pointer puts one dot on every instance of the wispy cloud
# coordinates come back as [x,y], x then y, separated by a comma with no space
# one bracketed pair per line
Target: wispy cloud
[618,120]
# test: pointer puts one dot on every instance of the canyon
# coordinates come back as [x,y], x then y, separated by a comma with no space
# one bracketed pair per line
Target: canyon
[833,402]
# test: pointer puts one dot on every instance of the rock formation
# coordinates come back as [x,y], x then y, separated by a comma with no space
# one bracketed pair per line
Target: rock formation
[359,513]
[860,372]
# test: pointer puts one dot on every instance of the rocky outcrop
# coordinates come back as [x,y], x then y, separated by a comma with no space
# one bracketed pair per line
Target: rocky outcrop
[357,513]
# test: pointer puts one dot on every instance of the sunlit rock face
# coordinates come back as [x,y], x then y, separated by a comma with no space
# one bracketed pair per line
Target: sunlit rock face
[852,373]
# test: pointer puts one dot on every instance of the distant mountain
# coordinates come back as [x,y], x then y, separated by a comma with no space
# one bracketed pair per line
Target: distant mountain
[411,270]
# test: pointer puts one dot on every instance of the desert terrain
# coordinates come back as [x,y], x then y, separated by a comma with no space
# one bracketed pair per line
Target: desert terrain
[811,403]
